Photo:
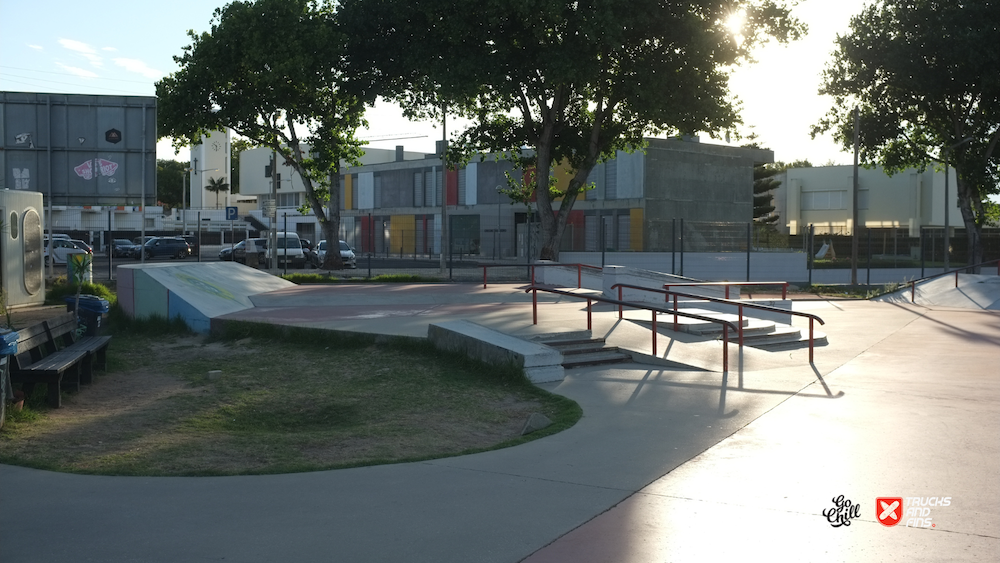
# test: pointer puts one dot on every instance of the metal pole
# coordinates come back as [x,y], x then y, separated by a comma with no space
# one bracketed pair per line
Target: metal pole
[451,263]
[111,247]
[286,244]
[673,245]
[371,244]
[810,244]
[869,280]
[682,246]
[854,207]
[921,251]
[142,202]
[199,236]
[749,244]
[947,235]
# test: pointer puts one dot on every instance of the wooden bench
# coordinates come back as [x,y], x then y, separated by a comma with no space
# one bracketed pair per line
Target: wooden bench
[50,353]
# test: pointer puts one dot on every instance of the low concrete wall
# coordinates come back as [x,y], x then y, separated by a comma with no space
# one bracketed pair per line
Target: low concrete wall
[711,266]
[540,363]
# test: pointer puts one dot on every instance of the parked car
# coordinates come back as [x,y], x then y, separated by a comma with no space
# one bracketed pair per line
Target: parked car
[192,241]
[83,246]
[226,254]
[58,250]
[122,248]
[137,244]
[346,255]
[287,249]
[240,252]
[171,247]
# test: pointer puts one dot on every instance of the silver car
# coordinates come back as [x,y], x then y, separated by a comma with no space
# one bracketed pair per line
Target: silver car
[346,255]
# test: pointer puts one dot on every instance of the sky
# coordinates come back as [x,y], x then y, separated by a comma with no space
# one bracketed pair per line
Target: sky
[115,47]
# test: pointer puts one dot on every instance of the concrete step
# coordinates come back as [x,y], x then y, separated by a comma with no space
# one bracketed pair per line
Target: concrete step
[593,358]
[579,352]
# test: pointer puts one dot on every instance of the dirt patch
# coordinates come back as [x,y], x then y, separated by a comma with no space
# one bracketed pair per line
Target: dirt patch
[277,407]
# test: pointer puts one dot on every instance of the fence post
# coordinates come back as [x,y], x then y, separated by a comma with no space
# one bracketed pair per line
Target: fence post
[749,244]
[673,246]
[111,246]
[921,251]
[809,242]
[682,246]
[868,281]
[199,236]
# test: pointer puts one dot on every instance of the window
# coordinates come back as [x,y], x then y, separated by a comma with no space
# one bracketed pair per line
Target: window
[13,225]
[818,201]
[418,189]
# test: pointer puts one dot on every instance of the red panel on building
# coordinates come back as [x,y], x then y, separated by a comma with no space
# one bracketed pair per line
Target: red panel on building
[451,184]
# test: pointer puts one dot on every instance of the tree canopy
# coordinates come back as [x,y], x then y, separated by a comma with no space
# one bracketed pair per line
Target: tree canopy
[170,181]
[272,71]
[924,75]
[575,82]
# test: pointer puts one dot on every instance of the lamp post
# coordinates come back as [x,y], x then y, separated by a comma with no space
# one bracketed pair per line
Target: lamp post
[947,234]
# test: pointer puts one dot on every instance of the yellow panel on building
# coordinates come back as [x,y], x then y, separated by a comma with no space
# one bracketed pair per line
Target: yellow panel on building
[403,234]
[563,173]
[635,229]
[347,188]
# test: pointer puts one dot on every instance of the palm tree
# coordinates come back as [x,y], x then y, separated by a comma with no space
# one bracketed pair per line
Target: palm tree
[217,185]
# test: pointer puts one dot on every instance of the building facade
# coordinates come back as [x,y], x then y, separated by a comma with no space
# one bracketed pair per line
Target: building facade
[824,197]
[393,203]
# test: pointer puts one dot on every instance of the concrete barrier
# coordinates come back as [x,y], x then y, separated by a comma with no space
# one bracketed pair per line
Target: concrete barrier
[539,362]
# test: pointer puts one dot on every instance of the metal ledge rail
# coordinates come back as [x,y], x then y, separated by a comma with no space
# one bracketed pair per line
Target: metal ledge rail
[783,285]
[913,284]
[738,304]
[579,270]
[726,325]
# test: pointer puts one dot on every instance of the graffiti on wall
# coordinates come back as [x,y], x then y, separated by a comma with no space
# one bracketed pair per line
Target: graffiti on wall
[91,168]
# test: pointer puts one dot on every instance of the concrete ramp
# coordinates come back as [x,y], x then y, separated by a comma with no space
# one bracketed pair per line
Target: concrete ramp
[195,292]
[974,291]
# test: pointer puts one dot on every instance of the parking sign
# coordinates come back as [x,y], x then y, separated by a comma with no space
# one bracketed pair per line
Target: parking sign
[231,213]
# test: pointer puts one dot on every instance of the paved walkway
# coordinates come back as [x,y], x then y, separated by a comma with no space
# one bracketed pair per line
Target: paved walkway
[650,473]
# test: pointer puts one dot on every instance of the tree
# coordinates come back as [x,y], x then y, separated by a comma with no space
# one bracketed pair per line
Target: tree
[170,181]
[763,200]
[923,74]
[217,185]
[272,71]
[573,81]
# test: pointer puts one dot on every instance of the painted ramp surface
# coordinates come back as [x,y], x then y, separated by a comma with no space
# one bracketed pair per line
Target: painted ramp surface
[195,292]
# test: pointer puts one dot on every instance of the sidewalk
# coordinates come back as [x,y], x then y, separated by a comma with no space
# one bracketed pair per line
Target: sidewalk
[650,473]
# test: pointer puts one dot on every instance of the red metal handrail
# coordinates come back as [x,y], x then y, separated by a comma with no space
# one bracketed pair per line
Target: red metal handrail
[591,298]
[738,304]
[913,284]
[579,270]
[784,285]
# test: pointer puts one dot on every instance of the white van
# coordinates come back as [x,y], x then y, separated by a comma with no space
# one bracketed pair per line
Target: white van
[287,249]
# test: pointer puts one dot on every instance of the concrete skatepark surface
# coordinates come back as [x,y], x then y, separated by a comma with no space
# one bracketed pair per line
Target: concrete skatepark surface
[907,406]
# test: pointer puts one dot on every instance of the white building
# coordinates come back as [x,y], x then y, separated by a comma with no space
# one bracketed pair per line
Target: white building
[823,197]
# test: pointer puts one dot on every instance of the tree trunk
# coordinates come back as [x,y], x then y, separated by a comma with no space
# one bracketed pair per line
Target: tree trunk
[973,229]
[331,228]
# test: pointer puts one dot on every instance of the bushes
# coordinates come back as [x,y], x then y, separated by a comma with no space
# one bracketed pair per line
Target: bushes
[61,289]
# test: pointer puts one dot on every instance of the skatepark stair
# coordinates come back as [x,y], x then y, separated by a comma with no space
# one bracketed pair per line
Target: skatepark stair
[579,352]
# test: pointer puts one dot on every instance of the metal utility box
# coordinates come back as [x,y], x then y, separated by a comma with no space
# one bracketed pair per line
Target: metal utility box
[21,247]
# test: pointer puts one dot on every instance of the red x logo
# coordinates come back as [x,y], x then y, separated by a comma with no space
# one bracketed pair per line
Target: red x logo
[889,510]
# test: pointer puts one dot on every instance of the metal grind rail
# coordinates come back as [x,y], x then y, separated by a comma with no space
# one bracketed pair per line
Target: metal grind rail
[738,304]
[956,271]
[783,285]
[726,325]
[579,270]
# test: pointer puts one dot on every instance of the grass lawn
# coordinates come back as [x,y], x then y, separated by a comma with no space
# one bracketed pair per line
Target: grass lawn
[287,400]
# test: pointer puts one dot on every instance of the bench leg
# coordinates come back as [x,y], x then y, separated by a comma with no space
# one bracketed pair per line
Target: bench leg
[87,370]
[54,396]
